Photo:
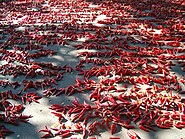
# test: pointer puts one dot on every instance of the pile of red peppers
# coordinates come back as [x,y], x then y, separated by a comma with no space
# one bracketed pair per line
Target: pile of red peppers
[131,63]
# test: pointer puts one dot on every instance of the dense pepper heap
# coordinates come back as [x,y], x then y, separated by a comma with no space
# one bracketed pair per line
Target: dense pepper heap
[131,61]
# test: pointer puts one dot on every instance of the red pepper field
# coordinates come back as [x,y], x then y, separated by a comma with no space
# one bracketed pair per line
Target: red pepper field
[92,69]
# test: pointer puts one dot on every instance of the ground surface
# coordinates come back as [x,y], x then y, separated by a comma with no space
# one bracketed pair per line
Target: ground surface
[126,59]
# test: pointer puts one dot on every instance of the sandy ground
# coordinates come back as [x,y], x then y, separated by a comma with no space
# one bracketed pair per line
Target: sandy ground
[42,114]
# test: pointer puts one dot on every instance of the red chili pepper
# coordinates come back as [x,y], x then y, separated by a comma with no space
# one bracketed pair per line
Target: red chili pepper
[66,134]
[58,115]
[95,94]
[163,126]
[132,134]
[143,128]
[48,133]
[113,128]
[46,136]
[84,133]
[179,125]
